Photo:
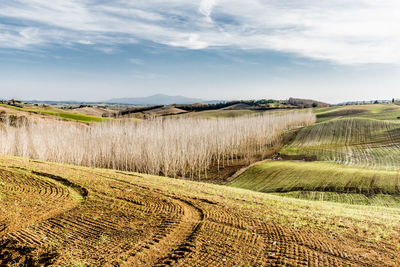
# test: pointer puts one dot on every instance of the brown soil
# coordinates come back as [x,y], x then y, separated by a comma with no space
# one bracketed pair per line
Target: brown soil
[226,173]
[21,114]
[122,219]
[165,111]
[154,112]
[237,106]
[95,111]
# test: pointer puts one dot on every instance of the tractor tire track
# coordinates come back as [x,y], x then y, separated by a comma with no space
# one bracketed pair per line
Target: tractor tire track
[126,223]
[176,238]
[12,244]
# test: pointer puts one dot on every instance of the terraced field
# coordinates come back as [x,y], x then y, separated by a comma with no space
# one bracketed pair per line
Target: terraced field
[350,141]
[95,217]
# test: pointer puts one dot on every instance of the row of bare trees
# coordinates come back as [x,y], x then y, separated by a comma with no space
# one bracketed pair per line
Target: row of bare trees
[185,146]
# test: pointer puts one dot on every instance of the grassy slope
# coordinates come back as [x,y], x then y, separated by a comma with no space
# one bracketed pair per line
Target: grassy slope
[323,181]
[367,235]
[366,137]
[353,141]
[362,229]
[58,113]
[376,111]
[220,113]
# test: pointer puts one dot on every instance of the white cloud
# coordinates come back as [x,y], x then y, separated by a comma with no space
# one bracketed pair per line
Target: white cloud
[206,7]
[191,41]
[85,42]
[341,31]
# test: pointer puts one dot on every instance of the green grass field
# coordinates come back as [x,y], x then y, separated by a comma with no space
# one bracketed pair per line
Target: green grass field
[357,149]
[350,141]
[323,181]
[376,111]
[59,113]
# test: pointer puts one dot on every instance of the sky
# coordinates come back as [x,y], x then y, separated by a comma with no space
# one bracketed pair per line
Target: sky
[93,50]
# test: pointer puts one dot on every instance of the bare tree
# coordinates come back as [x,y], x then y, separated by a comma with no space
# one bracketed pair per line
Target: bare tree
[175,146]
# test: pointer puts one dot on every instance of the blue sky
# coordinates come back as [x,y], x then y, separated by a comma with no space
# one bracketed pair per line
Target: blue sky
[332,50]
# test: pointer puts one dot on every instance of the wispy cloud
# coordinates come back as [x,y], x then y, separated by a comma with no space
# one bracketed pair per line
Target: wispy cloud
[206,7]
[344,32]
[136,61]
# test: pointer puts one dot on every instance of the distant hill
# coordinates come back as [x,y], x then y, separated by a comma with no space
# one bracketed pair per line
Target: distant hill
[237,106]
[158,99]
[192,104]
[307,103]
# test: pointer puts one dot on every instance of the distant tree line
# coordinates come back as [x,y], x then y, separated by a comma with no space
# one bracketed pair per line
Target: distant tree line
[256,104]
[137,109]
[306,103]
[14,103]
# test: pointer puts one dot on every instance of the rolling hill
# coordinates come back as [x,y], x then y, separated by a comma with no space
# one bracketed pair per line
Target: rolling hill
[67,215]
[355,154]
[341,210]
[353,141]
[48,113]
[324,182]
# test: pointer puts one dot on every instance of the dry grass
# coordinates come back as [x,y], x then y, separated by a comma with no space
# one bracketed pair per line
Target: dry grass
[185,147]
[54,112]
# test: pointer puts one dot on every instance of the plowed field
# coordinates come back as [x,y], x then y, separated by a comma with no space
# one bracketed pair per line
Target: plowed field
[66,215]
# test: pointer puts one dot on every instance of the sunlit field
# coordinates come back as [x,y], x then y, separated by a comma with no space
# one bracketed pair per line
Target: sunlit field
[325,194]
[354,141]
[199,133]
[78,216]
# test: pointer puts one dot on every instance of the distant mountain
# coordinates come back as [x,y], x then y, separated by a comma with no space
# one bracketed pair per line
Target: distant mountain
[154,100]
[158,99]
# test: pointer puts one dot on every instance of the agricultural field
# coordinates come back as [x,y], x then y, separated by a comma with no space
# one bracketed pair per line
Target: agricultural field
[323,181]
[352,141]
[222,113]
[375,111]
[80,216]
[53,112]
[352,156]
[328,194]
[171,111]
[199,133]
